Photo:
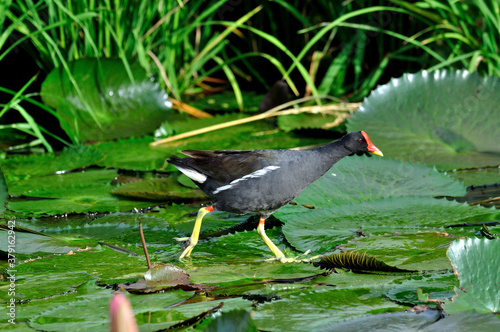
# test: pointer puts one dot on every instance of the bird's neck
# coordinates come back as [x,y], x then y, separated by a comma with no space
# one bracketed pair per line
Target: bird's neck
[329,154]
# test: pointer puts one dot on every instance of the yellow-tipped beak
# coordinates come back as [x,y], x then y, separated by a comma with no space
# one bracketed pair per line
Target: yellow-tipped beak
[373,149]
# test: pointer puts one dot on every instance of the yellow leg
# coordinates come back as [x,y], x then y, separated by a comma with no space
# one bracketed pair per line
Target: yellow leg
[193,239]
[279,255]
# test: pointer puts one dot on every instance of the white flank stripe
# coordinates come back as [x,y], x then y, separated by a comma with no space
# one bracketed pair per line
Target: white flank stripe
[193,175]
[252,175]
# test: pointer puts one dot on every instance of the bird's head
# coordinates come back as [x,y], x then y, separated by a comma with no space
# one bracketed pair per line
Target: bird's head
[359,141]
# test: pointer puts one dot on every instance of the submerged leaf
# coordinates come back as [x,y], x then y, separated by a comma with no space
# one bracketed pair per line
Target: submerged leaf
[445,118]
[356,261]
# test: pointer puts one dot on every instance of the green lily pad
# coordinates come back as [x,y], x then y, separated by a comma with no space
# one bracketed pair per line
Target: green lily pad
[90,306]
[133,154]
[372,195]
[118,106]
[397,321]
[467,321]
[55,185]
[356,179]
[29,243]
[424,251]
[25,167]
[445,118]
[477,264]
[65,194]
[476,177]
[55,274]
[314,309]
[322,229]
[235,320]
[437,286]
[164,189]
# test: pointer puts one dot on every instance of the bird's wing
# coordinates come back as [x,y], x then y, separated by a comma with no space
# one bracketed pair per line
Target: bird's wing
[228,165]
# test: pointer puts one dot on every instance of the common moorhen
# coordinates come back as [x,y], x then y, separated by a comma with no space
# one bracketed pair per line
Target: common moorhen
[261,181]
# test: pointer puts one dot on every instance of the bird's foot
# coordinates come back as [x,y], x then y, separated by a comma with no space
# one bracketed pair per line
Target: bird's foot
[283,259]
[182,239]
[188,247]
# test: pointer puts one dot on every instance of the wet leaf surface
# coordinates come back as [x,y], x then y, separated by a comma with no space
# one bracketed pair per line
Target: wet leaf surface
[68,265]
[437,118]
[165,189]
[111,95]
[477,265]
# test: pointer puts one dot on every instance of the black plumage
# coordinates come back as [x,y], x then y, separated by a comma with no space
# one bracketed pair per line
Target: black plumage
[263,181]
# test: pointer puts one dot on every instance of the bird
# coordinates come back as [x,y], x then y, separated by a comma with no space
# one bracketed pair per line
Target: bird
[261,181]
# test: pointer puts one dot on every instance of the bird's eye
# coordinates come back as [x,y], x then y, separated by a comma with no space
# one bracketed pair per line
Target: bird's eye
[360,140]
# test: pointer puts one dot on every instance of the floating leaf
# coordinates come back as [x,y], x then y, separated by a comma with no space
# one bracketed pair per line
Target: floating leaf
[466,321]
[25,167]
[71,193]
[415,250]
[164,189]
[316,308]
[356,179]
[29,243]
[477,176]
[133,154]
[476,262]
[356,261]
[235,320]
[436,286]
[55,274]
[364,194]
[118,106]
[88,305]
[58,185]
[446,118]
[397,321]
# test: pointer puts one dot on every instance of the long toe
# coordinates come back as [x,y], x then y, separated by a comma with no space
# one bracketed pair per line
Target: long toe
[181,239]
[186,252]
[287,260]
